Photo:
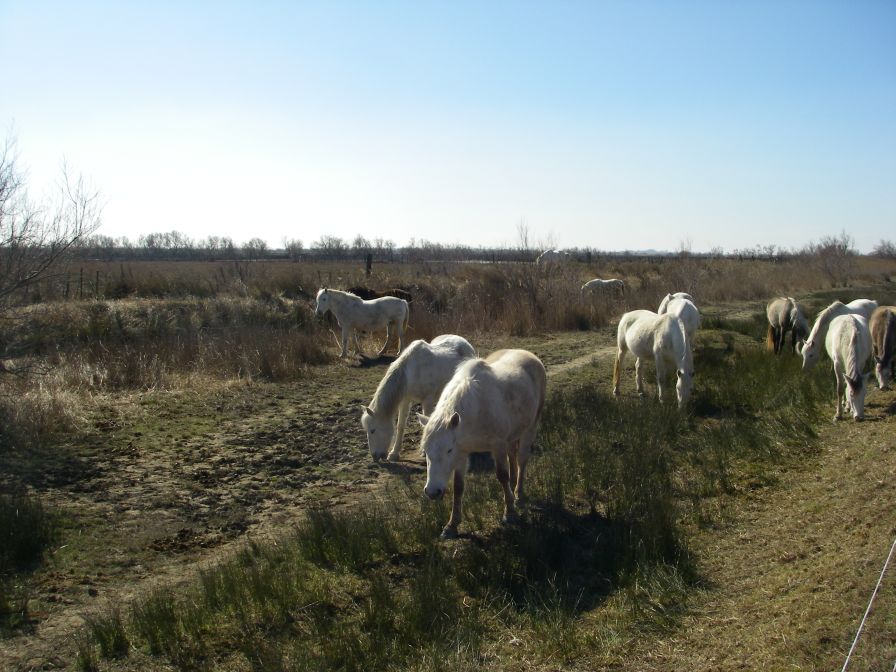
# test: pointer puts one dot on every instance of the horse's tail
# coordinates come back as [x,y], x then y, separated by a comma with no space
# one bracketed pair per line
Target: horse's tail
[770,338]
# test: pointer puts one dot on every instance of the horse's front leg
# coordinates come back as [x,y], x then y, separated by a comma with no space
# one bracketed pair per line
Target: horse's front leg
[388,338]
[450,530]
[501,460]
[404,408]
[660,379]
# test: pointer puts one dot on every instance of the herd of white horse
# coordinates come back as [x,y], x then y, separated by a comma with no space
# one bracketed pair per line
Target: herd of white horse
[493,404]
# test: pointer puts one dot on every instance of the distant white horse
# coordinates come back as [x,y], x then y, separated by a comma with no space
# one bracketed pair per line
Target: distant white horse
[598,287]
[848,343]
[811,349]
[418,375]
[354,313]
[684,309]
[665,339]
[883,343]
[552,257]
[490,405]
[784,314]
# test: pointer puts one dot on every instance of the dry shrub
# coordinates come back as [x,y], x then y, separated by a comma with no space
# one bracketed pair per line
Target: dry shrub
[35,414]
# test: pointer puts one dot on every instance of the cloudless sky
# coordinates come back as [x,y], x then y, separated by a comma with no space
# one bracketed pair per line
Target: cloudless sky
[616,125]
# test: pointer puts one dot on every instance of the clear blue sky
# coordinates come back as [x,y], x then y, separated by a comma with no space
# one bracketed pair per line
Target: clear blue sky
[617,125]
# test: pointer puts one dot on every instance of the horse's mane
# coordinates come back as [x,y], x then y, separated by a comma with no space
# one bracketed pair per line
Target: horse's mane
[823,320]
[851,367]
[463,383]
[392,387]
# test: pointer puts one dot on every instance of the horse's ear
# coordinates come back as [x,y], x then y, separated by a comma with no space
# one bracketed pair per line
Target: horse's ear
[680,373]
[454,421]
[422,419]
[800,344]
[366,410]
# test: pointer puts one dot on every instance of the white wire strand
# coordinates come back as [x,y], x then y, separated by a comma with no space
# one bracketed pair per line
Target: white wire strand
[868,610]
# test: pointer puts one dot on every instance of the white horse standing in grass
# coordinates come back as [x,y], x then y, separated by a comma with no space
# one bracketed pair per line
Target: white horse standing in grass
[418,375]
[598,287]
[552,257]
[848,343]
[354,313]
[784,314]
[665,339]
[883,343]
[811,349]
[489,405]
[671,297]
[683,307]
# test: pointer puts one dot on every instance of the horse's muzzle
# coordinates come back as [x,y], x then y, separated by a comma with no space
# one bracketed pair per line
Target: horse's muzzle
[435,493]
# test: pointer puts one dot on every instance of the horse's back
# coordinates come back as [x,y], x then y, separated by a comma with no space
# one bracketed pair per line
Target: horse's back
[519,369]
[848,332]
[864,307]
[452,343]
[778,311]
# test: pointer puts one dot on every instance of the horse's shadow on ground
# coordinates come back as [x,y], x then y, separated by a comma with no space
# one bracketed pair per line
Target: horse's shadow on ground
[569,560]
[365,362]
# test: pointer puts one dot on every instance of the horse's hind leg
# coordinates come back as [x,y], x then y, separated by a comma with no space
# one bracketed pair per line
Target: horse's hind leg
[450,530]
[501,460]
[513,464]
[639,377]
[345,342]
[522,459]
[840,392]
[388,338]
[617,369]
[403,411]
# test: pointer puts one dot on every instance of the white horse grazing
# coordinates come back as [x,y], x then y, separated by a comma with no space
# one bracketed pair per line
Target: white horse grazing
[552,257]
[598,287]
[883,343]
[848,343]
[490,405]
[671,297]
[665,339]
[354,313]
[418,375]
[811,349]
[784,314]
[685,310]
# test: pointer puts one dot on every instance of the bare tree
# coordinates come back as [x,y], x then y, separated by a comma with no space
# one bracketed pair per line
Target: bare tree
[293,247]
[35,239]
[835,257]
[255,248]
[885,248]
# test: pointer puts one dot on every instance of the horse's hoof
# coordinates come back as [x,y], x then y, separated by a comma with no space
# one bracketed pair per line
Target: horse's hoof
[394,457]
[838,418]
[449,533]
[512,519]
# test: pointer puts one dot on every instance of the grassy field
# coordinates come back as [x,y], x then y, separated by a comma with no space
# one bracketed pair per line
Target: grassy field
[210,504]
